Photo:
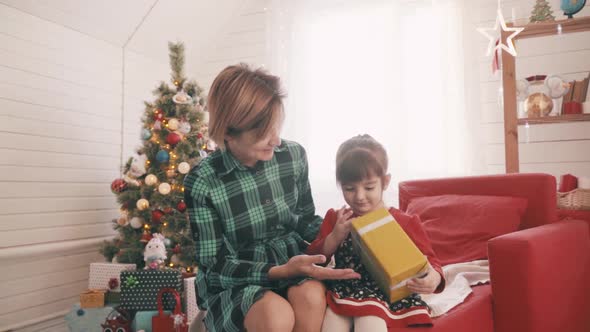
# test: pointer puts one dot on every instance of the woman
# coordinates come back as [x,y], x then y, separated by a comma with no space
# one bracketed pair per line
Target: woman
[252,215]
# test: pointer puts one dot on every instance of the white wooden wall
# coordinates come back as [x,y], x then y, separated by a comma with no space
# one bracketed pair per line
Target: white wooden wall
[61,138]
[551,148]
[244,39]
[70,109]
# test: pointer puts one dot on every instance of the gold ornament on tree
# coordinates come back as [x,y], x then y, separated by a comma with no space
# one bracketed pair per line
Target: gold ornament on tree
[164,188]
[173,124]
[142,204]
[184,167]
[136,222]
[151,179]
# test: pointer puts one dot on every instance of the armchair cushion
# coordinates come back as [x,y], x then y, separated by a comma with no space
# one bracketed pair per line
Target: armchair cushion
[459,226]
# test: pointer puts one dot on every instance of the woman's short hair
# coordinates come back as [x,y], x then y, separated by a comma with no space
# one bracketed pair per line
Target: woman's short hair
[243,99]
[359,158]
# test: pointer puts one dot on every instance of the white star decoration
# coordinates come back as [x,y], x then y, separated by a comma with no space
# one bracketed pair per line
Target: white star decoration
[509,47]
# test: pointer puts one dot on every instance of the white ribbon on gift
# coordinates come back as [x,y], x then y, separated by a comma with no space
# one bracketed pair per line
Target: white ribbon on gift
[372,226]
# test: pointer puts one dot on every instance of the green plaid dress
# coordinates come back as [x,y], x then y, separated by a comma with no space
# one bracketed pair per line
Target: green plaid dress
[245,221]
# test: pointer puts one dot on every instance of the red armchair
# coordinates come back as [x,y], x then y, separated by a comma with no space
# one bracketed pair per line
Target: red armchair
[540,274]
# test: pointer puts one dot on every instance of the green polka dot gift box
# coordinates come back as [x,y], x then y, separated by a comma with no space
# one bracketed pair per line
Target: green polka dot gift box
[139,289]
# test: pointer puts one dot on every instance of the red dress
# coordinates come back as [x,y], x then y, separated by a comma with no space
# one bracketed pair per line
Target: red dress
[362,297]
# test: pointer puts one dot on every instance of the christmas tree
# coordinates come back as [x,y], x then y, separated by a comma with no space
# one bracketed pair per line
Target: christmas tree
[542,12]
[151,192]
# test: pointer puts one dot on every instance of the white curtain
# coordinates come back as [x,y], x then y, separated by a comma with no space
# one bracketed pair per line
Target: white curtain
[391,69]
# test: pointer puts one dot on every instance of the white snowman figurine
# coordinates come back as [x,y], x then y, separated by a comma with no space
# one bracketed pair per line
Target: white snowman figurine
[154,253]
[136,170]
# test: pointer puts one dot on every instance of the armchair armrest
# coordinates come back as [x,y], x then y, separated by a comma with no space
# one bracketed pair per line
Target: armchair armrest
[541,278]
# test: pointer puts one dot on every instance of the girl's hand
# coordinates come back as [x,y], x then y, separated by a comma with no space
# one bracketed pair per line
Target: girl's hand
[343,224]
[305,265]
[426,284]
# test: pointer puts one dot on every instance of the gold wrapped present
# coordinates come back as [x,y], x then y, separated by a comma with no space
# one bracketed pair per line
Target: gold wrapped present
[387,252]
[92,298]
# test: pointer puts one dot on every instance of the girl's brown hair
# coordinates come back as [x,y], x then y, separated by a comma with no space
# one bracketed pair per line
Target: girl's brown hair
[359,158]
[243,99]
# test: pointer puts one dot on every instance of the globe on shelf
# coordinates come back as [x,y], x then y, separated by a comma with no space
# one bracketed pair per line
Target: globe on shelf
[571,7]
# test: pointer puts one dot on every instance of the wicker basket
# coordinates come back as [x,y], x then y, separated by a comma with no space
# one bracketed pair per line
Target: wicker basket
[577,199]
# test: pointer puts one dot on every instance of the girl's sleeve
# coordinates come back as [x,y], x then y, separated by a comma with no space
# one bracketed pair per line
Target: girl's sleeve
[214,254]
[413,227]
[315,248]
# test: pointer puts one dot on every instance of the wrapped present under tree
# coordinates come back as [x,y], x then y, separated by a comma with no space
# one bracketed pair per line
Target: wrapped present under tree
[139,289]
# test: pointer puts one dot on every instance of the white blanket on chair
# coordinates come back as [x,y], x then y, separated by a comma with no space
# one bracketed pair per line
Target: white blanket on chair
[459,279]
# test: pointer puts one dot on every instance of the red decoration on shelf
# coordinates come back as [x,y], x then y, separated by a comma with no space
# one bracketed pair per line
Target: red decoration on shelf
[157,216]
[173,138]
[181,206]
[113,283]
[118,186]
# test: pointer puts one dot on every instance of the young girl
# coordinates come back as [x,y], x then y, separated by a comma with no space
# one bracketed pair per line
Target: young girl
[361,171]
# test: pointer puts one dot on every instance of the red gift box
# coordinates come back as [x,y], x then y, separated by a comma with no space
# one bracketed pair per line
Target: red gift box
[175,322]
[568,183]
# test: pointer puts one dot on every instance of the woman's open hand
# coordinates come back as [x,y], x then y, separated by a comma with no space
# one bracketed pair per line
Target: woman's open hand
[305,265]
[426,284]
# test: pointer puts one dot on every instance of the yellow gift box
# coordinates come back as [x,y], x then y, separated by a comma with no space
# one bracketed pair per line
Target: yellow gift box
[92,298]
[387,252]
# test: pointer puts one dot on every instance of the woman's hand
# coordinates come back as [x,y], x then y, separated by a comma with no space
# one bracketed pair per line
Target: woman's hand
[426,284]
[305,265]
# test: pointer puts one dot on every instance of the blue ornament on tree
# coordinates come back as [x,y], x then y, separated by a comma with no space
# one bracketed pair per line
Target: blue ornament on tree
[146,134]
[162,156]
[571,7]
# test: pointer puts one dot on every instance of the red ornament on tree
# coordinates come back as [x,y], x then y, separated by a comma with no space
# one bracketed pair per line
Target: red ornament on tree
[157,216]
[173,138]
[119,185]
[199,135]
[176,249]
[158,116]
[181,206]
[146,237]
[168,210]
